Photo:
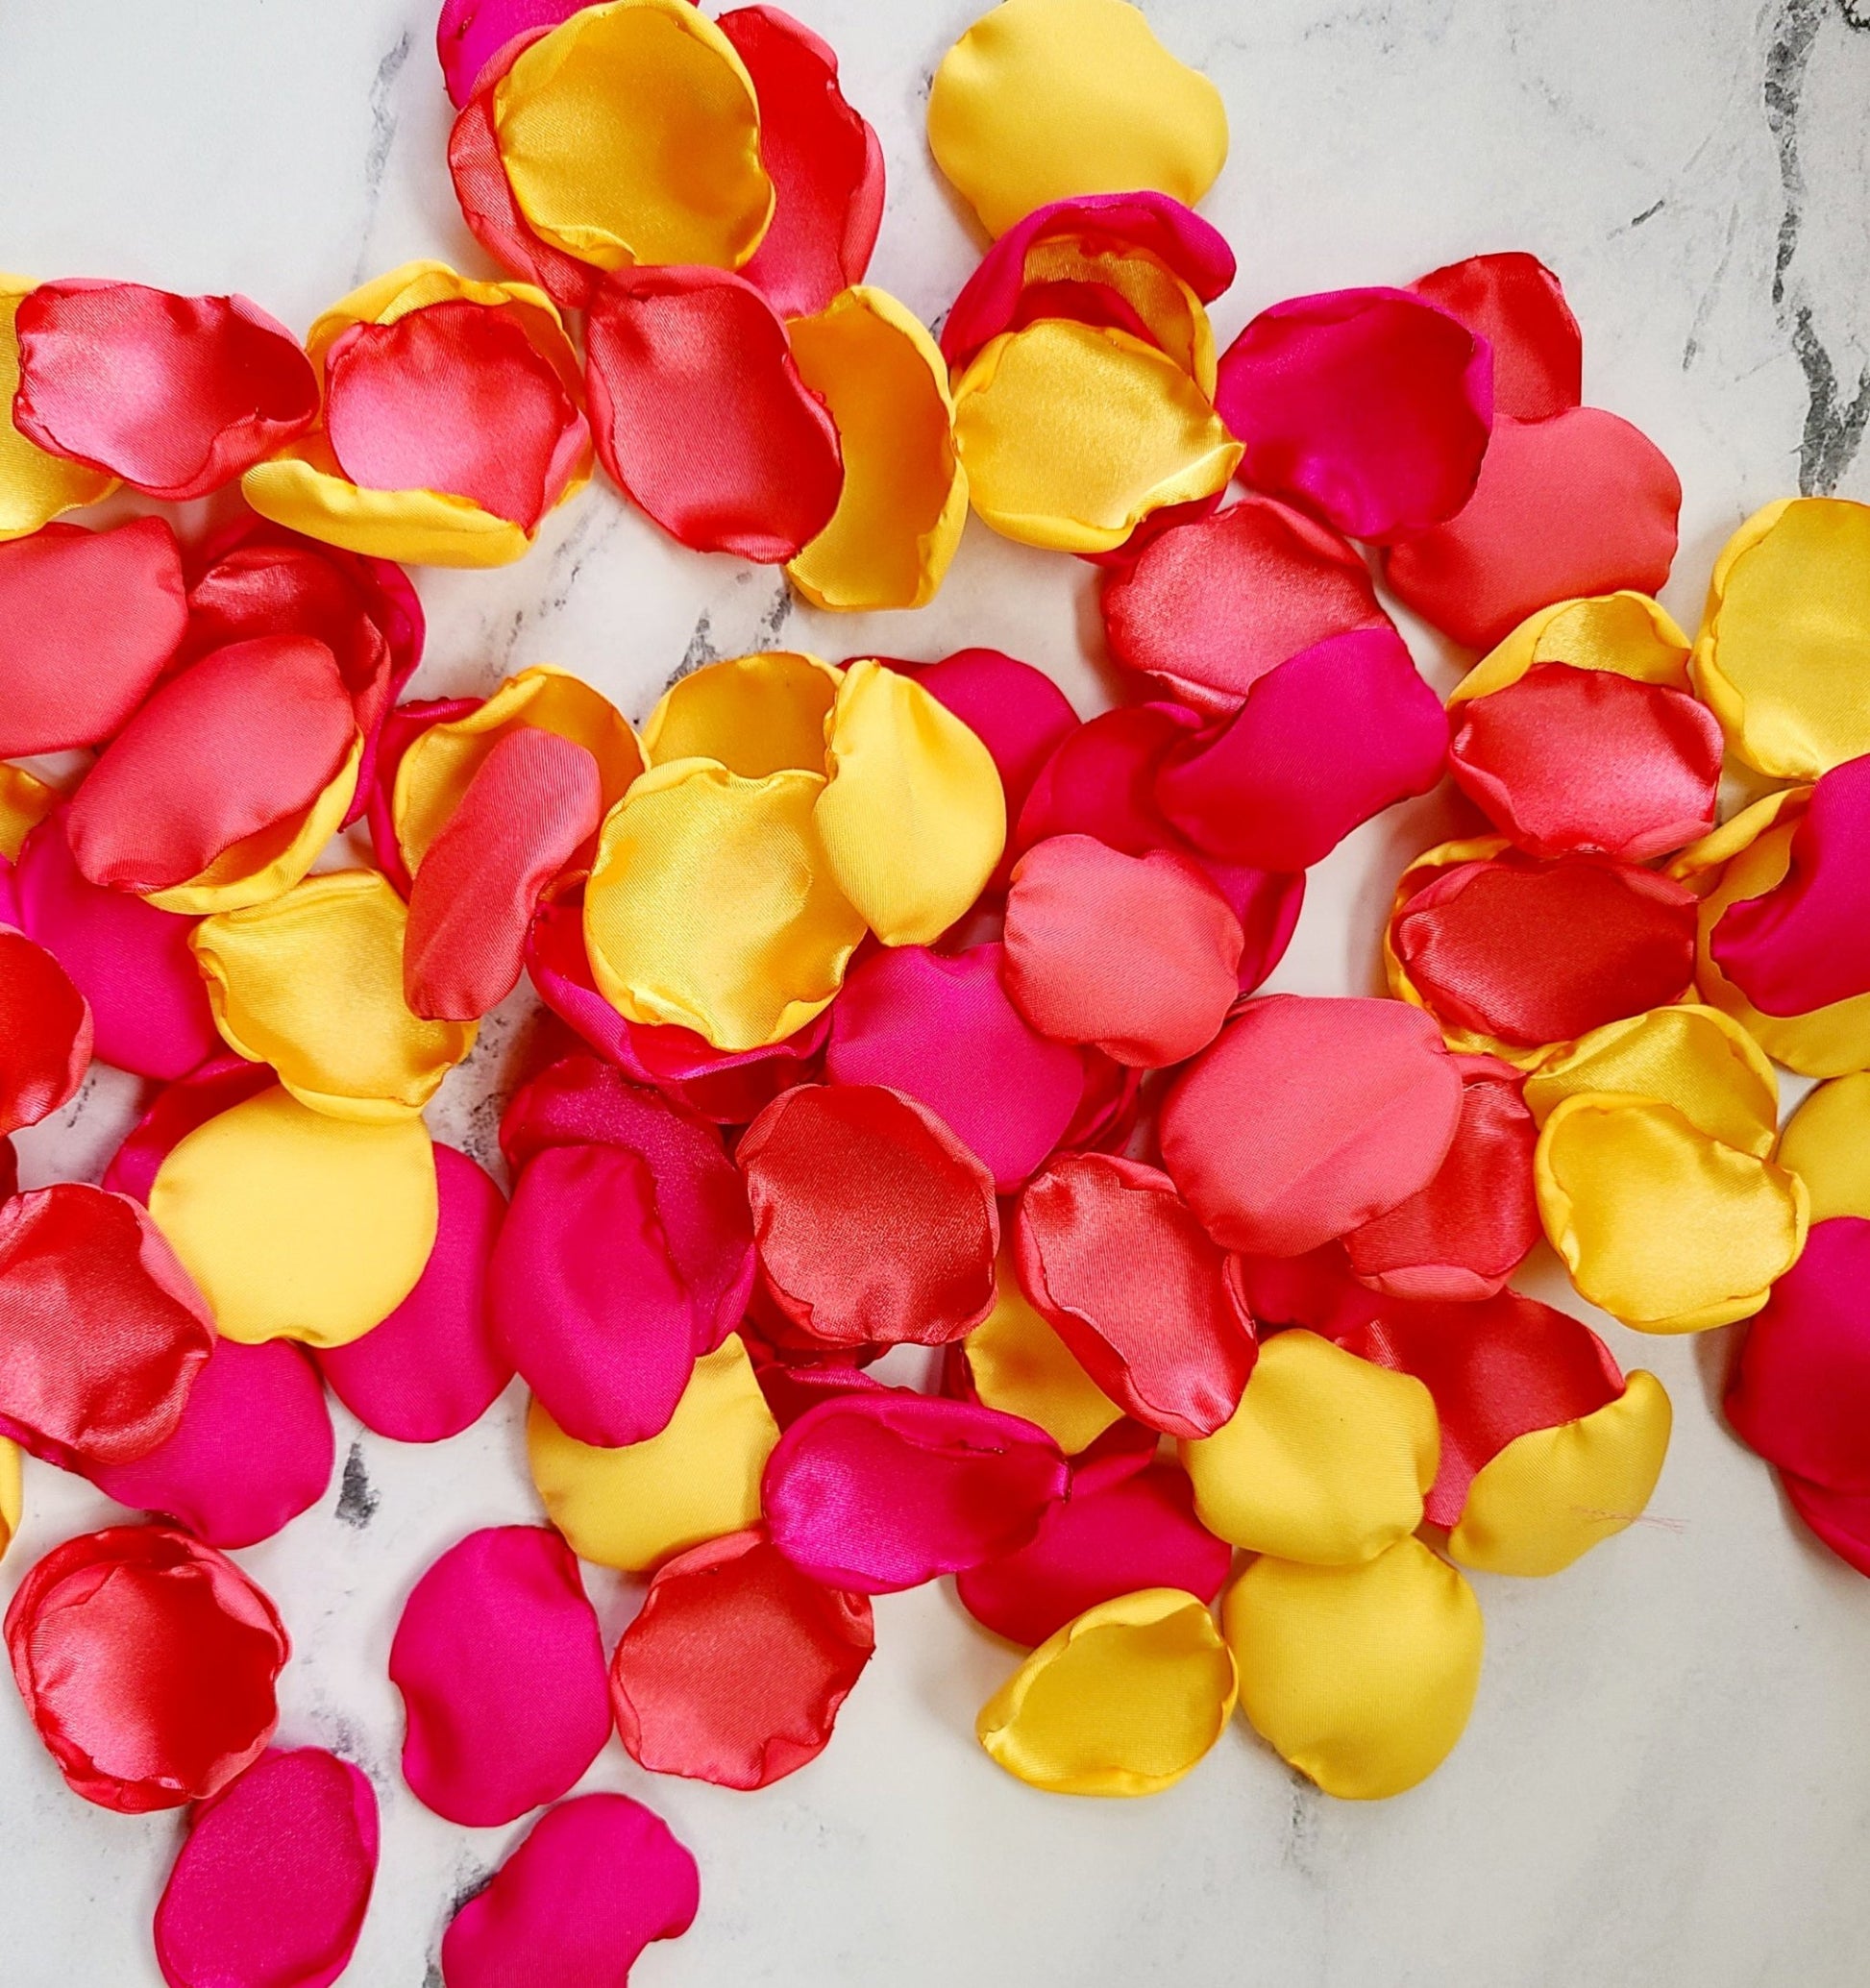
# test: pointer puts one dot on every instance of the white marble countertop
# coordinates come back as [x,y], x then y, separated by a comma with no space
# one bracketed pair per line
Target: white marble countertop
[1667,1776]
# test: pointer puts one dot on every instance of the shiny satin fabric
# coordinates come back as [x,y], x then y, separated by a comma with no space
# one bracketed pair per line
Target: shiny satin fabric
[1518,305]
[12,1501]
[49,1033]
[1826,1145]
[35,487]
[1018,1363]
[25,802]
[1624,632]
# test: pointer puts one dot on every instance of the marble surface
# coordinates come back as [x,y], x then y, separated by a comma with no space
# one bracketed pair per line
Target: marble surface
[1667,1776]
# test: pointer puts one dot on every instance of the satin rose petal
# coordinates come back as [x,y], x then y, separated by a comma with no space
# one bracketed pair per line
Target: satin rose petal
[253,1450]
[1690,1057]
[104,1335]
[534,803]
[824,161]
[1516,303]
[275,1878]
[1825,1144]
[1123,1701]
[755,714]
[1324,741]
[1508,952]
[206,800]
[177,1108]
[1801,945]
[298,1225]
[1018,1363]
[1465,1232]
[199,388]
[1589,761]
[674,354]
[1139,955]
[785,1656]
[1024,110]
[1627,633]
[1308,1117]
[25,802]
[1071,434]
[434,1365]
[1580,503]
[471,33]
[1370,408]
[403,726]
[1325,1460]
[633,1507]
[10,1500]
[1665,1228]
[899,519]
[1781,649]
[875,1225]
[46,1047]
[1840,1520]
[35,487]
[1100,781]
[147,1662]
[594,1883]
[878,1492]
[1124,1528]
[1360,1677]
[311,982]
[1117,1264]
[498,1639]
[91,619]
[690,838]
[911,819]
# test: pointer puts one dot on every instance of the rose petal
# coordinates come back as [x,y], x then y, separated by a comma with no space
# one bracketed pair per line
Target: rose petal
[501,1668]
[104,1333]
[1516,303]
[786,1654]
[35,487]
[874,1224]
[879,1492]
[1581,503]
[1014,1361]
[1308,1117]
[592,1885]
[148,1663]
[1101,781]
[403,726]
[1824,1145]
[471,33]
[46,1033]
[1840,1520]
[177,1108]
[176,395]
[1370,408]
[275,1878]
[1628,634]
[433,1366]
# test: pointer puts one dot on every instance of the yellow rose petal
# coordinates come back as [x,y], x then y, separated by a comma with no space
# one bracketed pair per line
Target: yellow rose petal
[1043,99]
[1552,1494]
[1020,1365]
[1627,633]
[1071,434]
[1360,1677]
[1123,1701]
[311,982]
[632,133]
[1668,1230]
[905,495]
[436,769]
[25,802]
[913,818]
[1174,315]
[297,1225]
[1694,1058]
[35,487]
[754,713]
[699,1477]
[1326,1459]
[713,906]
[11,1494]
[1826,1145]
[1781,653]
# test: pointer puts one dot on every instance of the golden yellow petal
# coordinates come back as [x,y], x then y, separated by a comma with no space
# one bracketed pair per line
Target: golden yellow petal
[1043,99]
[754,713]
[1020,1365]
[35,487]
[699,1477]
[1627,633]
[414,527]
[1826,1145]
[1360,1677]
[311,982]
[1326,1459]
[1174,313]
[11,1494]
[297,1225]
[1123,1701]
[25,802]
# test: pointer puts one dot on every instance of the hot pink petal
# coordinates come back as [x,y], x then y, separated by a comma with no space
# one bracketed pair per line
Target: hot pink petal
[1842,1519]
[471,31]
[1516,303]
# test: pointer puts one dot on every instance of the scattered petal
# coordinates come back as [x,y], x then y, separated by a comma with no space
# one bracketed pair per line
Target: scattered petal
[177,1108]
[1825,1144]
[1515,302]
[1625,632]
[48,1034]
[1017,1363]
[35,487]
[471,33]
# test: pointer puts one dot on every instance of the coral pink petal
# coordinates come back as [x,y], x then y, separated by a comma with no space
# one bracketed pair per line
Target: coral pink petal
[1515,302]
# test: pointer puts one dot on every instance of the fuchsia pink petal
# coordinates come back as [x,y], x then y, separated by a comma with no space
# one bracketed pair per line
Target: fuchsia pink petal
[1324,741]
[253,1450]
[875,1492]
[1515,302]
[1372,407]
[941,1028]
[434,1366]
[271,1887]
[471,31]
[577,1903]
[1100,781]
[501,1668]
[217,1086]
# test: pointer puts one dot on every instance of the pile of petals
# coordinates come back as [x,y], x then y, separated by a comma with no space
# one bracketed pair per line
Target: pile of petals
[892,1006]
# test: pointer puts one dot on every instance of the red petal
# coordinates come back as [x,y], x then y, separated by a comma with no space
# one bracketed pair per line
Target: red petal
[1842,1519]
[701,415]
[735,1668]
[45,1033]
[1516,303]
[176,395]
